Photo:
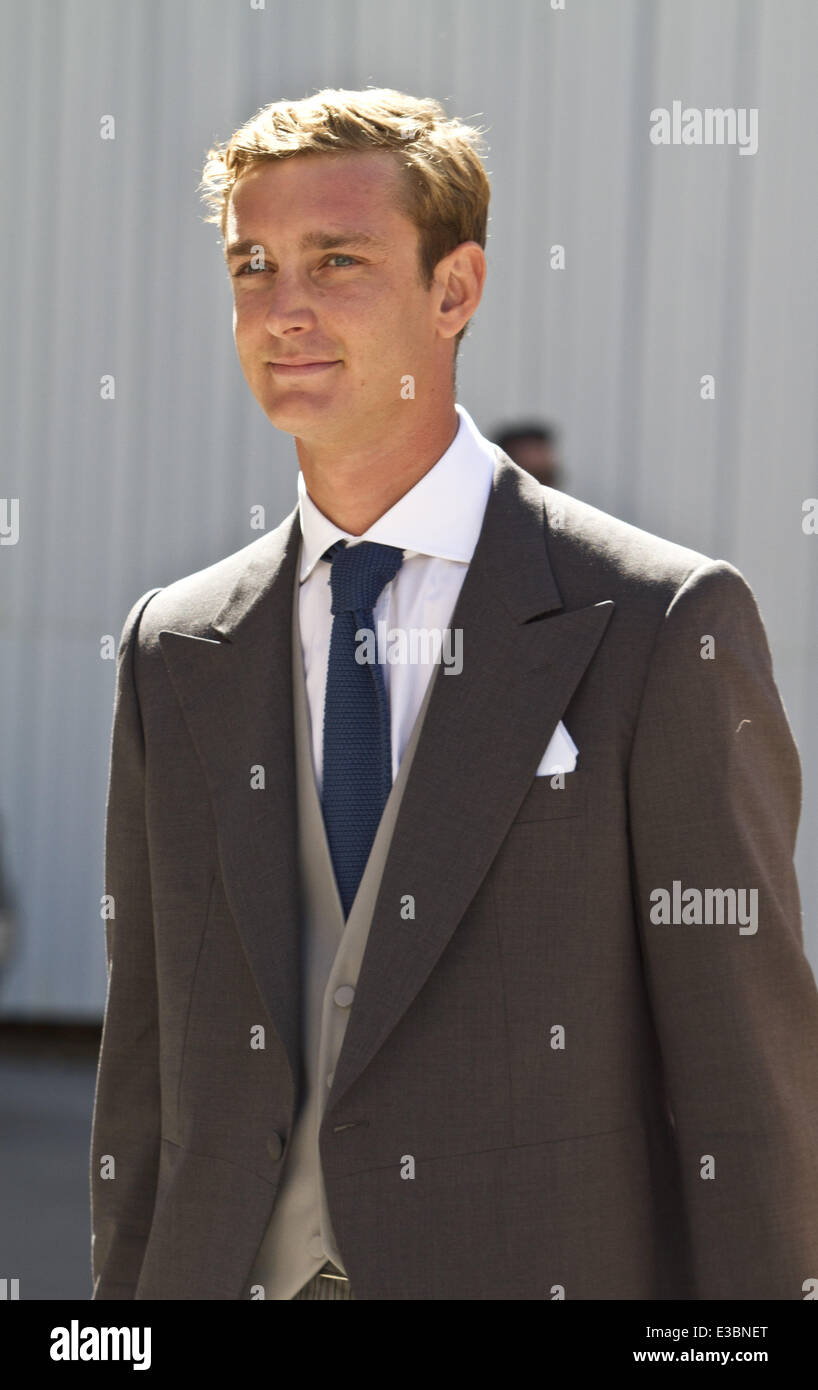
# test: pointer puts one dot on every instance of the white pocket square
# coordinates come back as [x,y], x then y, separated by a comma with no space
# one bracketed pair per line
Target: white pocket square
[560,755]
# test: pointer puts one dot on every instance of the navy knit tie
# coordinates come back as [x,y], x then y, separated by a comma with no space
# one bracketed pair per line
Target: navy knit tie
[357,775]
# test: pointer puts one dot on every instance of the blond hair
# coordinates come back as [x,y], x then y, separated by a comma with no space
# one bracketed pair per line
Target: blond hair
[444,189]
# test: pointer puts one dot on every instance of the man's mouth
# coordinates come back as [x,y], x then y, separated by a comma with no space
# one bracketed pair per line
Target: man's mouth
[301,368]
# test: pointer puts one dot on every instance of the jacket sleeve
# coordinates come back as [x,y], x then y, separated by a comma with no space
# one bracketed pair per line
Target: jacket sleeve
[714,803]
[127,1119]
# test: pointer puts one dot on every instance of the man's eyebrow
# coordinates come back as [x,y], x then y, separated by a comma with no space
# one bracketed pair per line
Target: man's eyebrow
[314,241]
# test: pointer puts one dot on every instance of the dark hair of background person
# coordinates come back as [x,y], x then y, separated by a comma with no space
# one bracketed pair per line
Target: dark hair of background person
[533,446]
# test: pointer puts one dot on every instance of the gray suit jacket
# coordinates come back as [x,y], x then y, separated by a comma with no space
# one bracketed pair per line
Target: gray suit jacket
[597,1105]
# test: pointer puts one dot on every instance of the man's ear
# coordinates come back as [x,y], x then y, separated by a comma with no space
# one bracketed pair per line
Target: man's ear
[459,279]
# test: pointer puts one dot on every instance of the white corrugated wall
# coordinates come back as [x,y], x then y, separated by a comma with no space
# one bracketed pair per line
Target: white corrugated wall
[680,261]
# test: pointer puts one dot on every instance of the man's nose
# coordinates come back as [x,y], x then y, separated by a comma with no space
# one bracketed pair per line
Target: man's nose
[287,305]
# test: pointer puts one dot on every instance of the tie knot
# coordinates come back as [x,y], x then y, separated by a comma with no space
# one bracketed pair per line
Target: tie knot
[360,572]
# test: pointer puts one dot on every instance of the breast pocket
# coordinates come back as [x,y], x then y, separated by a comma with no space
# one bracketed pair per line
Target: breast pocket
[544,801]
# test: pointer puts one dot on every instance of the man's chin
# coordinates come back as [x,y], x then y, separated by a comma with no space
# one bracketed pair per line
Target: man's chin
[287,409]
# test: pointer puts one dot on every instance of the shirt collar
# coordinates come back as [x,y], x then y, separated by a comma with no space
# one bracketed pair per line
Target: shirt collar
[441,515]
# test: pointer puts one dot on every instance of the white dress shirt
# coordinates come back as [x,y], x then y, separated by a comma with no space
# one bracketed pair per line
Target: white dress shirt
[436,524]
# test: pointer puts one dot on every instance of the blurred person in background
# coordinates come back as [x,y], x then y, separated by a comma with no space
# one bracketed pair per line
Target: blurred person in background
[533,447]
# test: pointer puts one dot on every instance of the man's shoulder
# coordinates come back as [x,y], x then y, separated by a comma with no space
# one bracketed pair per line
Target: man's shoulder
[597,555]
[191,602]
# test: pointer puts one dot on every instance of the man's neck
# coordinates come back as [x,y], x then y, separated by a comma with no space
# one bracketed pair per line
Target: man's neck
[354,487]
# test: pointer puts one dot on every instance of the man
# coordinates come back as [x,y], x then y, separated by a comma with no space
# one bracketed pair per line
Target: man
[534,448]
[472,971]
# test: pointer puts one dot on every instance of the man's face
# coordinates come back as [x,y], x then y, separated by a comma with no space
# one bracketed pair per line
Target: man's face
[356,304]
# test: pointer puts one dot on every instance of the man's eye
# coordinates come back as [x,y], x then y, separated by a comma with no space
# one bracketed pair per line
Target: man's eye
[250,268]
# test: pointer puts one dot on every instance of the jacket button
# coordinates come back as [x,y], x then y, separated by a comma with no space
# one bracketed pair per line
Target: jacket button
[275,1146]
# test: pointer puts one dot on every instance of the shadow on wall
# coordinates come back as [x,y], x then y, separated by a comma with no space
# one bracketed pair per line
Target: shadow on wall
[8,915]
